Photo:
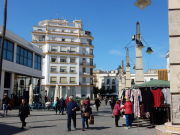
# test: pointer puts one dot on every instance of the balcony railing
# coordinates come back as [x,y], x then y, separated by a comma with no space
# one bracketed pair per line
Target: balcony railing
[85,83]
[65,52]
[86,44]
[85,63]
[113,82]
[88,54]
[85,73]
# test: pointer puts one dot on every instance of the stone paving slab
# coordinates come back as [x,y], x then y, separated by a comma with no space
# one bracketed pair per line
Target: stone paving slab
[46,123]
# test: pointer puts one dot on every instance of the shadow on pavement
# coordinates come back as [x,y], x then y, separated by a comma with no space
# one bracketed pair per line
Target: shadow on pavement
[43,126]
[10,130]
[98,128]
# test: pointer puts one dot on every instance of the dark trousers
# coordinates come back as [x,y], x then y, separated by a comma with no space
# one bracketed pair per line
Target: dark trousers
[84,119]
[57,108]
[97,107]
[22,118]
[73,116]
[61,110]
[116,120]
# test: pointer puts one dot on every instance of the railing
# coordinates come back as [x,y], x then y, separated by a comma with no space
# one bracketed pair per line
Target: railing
[63,70]
[65,52]
[86,44]
[85,83]
[87,54]
[62,41]
[84,73]
[113,82]
[85,63]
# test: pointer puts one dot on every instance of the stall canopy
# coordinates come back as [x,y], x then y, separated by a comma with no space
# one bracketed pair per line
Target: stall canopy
[157,83]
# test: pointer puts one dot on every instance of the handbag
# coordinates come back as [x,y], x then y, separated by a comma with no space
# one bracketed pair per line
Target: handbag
[87,114]
[91,120]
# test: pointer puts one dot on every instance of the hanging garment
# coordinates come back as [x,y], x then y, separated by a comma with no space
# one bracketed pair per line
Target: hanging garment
[120,95]
[147,99]
[157,95]
[166,95]
[124,100]
[136,93]
[127,94]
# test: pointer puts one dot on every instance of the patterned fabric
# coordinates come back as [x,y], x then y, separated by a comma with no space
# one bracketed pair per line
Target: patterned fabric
[127,94]
[136,93]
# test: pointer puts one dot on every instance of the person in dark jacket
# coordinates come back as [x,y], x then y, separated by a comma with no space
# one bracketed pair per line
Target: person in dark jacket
[113,102]
[24,112]
[5,104]
[56,105]
[61,105]
[71,112]
[97,103]
[116,112]
[85,108]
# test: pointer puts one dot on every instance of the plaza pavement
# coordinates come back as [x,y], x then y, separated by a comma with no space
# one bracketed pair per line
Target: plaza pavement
[46,123]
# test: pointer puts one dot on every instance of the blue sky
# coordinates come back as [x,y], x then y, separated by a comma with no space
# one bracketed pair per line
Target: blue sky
[112,22]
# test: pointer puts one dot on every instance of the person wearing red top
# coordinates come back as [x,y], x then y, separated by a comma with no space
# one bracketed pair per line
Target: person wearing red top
[86,101]
[128,113]
[116,112]
[157,95]
[66,102]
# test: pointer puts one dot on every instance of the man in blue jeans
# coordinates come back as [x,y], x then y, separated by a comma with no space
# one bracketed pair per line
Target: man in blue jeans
[71,113]
[128,120]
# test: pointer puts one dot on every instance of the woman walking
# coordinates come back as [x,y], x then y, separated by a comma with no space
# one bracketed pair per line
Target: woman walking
[116,112]
[85,114]
[97,103]
[56,105]
[128,113]
[86,101]
[24,112]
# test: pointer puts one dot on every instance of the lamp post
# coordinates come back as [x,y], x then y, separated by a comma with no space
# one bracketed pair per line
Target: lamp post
[142,4]
[3,37]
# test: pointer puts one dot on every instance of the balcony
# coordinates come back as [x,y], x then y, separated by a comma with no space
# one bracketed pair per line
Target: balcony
[89,64]
[72,71]
[63,71]
[88,54]
[85,83]
[63,52]
[86,44]
[85,73]
[63,42]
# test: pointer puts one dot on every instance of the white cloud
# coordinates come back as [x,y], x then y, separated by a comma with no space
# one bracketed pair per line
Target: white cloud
[116,52]
[163,55]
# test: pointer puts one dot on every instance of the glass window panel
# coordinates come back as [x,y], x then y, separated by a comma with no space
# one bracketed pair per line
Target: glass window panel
[63,59]
[72,79]
[10,46]
[4,54]
[5,44]
[36,58]
[53,69]
[25,61]
[0,42]
[18,50]
[9,56]
[29,55]
[73,49]
[84,79]
[54,48]
[21,60]
[29,63]
[39,59]
[53,59]
[73,60]
[22,52]
[35,65]
[17,59]
[25,53]
[39,66]
[62,69]
[63,49]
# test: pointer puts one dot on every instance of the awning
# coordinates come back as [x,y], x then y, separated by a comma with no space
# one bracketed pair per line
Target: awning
[155,83]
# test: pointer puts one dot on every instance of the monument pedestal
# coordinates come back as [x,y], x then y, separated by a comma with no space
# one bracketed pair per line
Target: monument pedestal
[168,129]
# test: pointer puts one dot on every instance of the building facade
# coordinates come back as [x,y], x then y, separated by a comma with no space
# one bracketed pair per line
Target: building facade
[68,59]
[168,66]
[21,67]
[110,79]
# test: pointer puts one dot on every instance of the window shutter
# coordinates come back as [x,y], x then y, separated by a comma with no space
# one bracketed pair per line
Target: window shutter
[73,49]
[53,79]
[72,79]
[63,49]
[63,79]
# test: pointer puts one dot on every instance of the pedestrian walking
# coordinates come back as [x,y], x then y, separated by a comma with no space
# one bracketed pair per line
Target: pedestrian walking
[116,112]
[48,104]
[24,112]
[112,103]
[86,111]
[97,103]
[86,101]
[61,105]
[106,100]
[66,102]
[5,104]
[71,112]
[88,98]
[128,113]
[56,105]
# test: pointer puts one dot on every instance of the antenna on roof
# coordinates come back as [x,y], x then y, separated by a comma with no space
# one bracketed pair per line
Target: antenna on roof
[58,15]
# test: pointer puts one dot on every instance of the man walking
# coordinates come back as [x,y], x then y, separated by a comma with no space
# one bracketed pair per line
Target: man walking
[61,105]
[5,104]
[71,110]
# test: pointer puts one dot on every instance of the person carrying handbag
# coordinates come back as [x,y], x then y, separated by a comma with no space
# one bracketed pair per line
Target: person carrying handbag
[86,111]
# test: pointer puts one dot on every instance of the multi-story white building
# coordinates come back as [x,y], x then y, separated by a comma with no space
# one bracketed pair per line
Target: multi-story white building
[68,59]
[110,79]
[21,67]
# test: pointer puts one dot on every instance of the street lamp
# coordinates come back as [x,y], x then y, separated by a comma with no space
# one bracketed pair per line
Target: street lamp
[149,50]
[142,4]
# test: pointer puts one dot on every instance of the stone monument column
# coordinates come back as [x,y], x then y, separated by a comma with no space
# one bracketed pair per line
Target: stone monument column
[139,73]
[128,74]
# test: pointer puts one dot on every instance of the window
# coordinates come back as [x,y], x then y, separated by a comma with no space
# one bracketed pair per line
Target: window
[72,60]
[132,81]
[62,30]
[91,81]
[53,69]
[63,49]
[63,60]
[63,39]
[91,62]
[113,81]
[84,60]
[91,71]
[54,48]
[114,88]
[37,62]
[84,51]
[40,38]
[24,57]
[83,92]
[84,79]
[72,49]
[91,51]
[63,80]
[108,81]
[71,31]
[40,47]
[84,69]
[72,39]
[53,79]
[73,69]
[54,59]
[53,29]
[63,70]
[53,38]
[40,29]
[8,50]
[72,79]
[89,42]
